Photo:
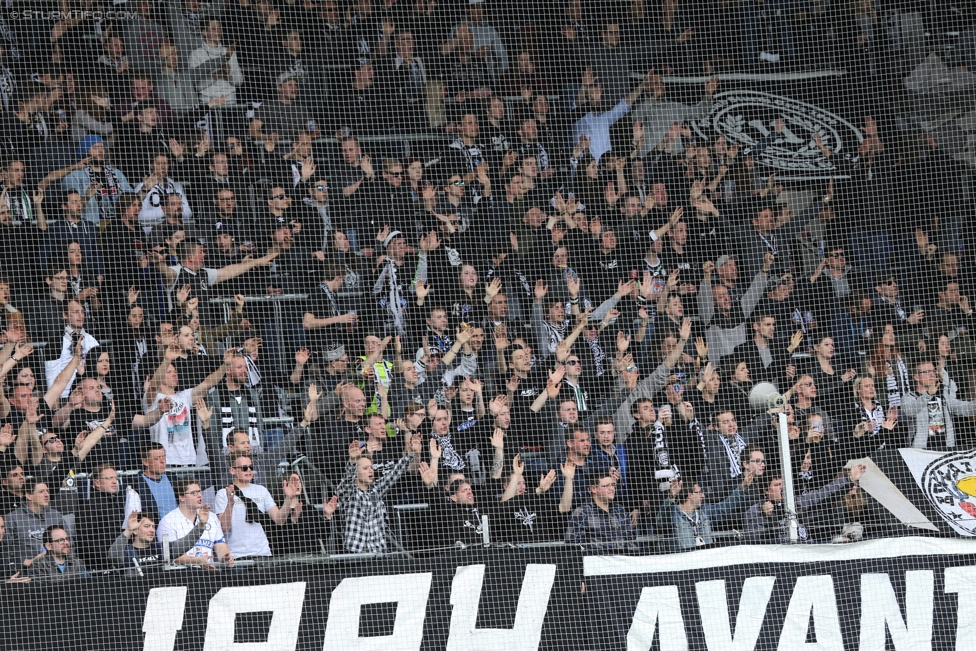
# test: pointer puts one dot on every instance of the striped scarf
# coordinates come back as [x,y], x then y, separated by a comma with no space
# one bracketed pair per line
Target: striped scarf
[227,418]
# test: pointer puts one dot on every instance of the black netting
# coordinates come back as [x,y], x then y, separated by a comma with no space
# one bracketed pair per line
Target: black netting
[321,318]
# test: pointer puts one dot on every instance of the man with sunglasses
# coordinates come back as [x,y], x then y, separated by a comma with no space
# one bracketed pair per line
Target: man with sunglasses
[243,508]
[316,213]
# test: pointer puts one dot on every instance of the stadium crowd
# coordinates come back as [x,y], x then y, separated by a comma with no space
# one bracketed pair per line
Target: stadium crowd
[467,255]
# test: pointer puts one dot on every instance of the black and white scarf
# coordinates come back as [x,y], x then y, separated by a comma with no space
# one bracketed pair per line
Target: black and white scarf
[733,448]
[449,456]
[109,192]
[227,418]
[20,206]
[598,355]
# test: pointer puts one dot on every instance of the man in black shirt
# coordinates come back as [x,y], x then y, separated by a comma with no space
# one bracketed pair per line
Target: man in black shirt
[100,518]
[12,495]
[188,272]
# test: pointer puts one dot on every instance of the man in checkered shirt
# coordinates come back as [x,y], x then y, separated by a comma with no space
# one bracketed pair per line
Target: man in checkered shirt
[361,499]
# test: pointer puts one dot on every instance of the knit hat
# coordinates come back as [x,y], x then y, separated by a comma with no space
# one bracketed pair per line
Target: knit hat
[333,352]
[87,143]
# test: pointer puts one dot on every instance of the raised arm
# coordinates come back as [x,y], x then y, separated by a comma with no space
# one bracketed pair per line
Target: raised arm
[86,441]
[511,488]
[212,380]
[566,499]
[53,395]
[235,270]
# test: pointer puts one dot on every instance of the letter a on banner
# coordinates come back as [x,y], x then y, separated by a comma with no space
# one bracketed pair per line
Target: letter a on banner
[880,610]
[163,618]
[409,591]
[714,607]
[532,605]
[658,607]
[812,593]
[284,601]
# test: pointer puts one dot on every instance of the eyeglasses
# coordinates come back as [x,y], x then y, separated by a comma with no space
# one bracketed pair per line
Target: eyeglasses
[837,255]
[196,492]
[244,468]
[610,485]
[759,461]
[52,439]
[60,540]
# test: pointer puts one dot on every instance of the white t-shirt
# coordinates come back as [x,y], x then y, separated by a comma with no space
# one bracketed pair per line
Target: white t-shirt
[53,367]
[175,430]
[175,525]
[246,538]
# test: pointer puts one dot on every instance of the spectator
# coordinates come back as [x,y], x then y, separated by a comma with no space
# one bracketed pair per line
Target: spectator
[767,521]
[595,123]
[687,522]
[361,499]
[931,407]
[192,520]
[28,524]
[12,494]
[98,518]
[175,85]
[152,493]
[140,94]
[136,547]
[57,564]
[244,509]
[599,524]
[214,67]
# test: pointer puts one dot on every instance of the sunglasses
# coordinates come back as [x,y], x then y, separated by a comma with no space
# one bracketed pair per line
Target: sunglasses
[837,255]
[278,196]
[457,183]
[573,362]
[321,187]
[52,440]
[244,468]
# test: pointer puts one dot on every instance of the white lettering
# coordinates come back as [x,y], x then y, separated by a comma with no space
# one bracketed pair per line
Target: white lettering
[714,607]
[812,593]
[658,606]
[879,608]
[532,605]
[163,618]
[960,580]
[284,601]
[409,591]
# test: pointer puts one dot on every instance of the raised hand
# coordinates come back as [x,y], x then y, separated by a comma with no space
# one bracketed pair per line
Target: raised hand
[7,437]
[433,447]
[204,412]
[540,290]
[427,474]
[623,342]
[569,470]
[513,384]
[497,438]
[546,482]
[329,506]
[355,451]
[685,331]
